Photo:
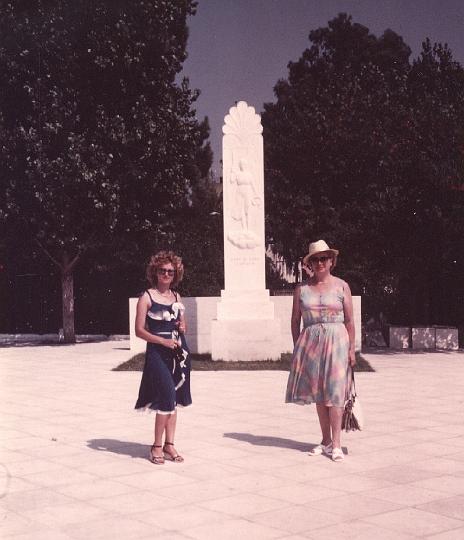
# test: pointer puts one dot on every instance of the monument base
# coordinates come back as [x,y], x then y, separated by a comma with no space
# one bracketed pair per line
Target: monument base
[245,304]
[246,340]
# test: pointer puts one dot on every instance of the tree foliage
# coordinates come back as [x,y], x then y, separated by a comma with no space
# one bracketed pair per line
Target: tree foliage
[365,149]
[101,150]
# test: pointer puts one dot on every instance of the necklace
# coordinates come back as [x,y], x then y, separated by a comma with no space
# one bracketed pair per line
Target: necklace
[166,294]
[323,283]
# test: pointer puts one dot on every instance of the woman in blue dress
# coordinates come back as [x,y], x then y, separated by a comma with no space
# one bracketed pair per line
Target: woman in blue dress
[165,381]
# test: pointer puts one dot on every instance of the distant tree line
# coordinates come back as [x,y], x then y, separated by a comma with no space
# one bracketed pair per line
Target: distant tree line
[365,148]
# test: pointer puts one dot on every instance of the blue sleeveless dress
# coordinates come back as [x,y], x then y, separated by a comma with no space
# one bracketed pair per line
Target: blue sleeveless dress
[319,371]
[165,380]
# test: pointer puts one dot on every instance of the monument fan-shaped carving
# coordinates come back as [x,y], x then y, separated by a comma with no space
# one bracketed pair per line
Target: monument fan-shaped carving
[242,119]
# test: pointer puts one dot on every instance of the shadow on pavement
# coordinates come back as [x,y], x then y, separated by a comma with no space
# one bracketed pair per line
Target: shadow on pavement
[263,440]
[279,442]
[135,450]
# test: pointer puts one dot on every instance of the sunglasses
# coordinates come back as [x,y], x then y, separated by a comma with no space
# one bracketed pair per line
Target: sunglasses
[322,259]
[165,271]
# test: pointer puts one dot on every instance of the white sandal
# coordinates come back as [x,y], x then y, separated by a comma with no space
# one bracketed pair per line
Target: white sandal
[321,449]
[337,454]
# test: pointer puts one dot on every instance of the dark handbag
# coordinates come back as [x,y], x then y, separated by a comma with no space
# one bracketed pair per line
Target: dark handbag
[179,354]
[353,419]
[179,358]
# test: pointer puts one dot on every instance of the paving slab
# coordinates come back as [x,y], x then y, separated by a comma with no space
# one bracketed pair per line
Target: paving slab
[73,453]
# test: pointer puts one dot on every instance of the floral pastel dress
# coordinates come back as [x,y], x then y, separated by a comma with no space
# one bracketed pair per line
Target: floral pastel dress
[165,380]
[320,358]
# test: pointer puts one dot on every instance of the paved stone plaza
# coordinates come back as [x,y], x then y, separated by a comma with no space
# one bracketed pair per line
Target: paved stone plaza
[73,454]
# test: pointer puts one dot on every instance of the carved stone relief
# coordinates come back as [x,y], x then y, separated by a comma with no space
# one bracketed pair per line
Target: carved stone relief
[242,143]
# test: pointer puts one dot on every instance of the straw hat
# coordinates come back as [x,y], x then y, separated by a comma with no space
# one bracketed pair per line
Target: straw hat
[320,247]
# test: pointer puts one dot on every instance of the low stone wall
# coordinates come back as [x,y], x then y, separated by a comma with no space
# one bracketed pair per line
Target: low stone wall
[201,310]
[424,337]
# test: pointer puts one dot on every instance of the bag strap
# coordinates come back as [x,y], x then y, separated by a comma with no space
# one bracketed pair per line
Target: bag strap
[353,384]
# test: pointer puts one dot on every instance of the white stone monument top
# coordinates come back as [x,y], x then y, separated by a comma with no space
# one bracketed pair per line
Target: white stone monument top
[243,194]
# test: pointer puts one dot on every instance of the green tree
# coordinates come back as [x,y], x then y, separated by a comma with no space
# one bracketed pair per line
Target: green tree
[345,154]
[429,215]
[319,159]
[200,241]
[99,141]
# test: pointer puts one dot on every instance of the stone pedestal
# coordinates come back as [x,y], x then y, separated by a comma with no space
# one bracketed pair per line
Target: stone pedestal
[245,304]
[246,327]
[233,340]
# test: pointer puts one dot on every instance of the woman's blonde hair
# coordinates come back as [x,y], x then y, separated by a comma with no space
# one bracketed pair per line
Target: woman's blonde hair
[158,260]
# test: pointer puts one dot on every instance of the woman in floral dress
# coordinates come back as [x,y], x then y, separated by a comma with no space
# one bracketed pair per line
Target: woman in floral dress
[324,348]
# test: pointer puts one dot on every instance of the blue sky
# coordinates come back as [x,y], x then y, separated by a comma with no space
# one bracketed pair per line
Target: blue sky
[239,49]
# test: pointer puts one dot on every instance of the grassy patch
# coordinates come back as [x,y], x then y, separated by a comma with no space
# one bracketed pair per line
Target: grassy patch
[203,362]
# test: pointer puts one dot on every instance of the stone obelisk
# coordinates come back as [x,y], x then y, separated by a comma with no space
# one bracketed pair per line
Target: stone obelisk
[245,327]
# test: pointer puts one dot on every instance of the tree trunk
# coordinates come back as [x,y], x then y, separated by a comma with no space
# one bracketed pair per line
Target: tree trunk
[66,266]
[67,287]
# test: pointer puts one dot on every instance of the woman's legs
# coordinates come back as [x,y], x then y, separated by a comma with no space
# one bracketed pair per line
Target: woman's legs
[165,423]
[169,440]
[171,427]
[330,420]
[336,414]
[324,421]
[160,425]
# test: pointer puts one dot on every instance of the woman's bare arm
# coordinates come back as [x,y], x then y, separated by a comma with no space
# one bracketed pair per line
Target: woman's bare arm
[296,314]
[182,322]
[349,321]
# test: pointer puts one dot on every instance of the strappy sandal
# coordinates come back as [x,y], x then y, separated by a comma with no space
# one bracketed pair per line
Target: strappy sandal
[321,449]
[337,454]
[157,460]
[177,458]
